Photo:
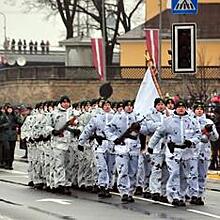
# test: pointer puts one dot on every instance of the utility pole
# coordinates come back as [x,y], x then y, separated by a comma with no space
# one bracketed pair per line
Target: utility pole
[5,37]
[160,40]
[103,38]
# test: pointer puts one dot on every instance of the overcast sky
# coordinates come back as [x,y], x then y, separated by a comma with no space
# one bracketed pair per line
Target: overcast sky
[30,26]
[34,26]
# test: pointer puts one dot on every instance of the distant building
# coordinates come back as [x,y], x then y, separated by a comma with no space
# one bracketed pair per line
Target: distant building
[132,43]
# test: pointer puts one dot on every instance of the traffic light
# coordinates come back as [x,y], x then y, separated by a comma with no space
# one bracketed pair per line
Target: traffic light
[184,48]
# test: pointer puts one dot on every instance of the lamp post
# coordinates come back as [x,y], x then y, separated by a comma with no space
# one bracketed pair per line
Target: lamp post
[104,43]
[5,38]
[160,40]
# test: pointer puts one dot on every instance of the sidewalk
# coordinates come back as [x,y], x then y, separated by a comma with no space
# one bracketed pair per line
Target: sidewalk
[214,174]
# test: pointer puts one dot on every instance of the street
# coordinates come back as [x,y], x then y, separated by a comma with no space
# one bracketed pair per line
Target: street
[18,201]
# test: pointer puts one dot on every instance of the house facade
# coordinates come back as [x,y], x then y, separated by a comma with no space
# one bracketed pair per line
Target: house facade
[133,45]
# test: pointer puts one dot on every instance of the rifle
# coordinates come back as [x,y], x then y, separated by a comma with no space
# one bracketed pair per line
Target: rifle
[98,138]
[59,132]
[171,145]
[132,133]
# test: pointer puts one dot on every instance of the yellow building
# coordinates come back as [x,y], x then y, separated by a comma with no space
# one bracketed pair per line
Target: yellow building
[132,44]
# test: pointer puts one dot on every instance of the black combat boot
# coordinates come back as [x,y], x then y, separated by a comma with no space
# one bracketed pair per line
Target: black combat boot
[147,195]
[124,198]
[138,191]
[102,192]
[131,199]
[155,196]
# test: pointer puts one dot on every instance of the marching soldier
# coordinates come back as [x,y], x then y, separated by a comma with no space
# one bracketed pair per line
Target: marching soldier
[105,158]
[182,133]
[85,172]
[61,121]
[159,173]
[27,135]
[201,156]
[123,131]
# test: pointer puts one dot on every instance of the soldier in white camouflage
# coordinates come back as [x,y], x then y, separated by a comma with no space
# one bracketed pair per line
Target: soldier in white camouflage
[105,158]
[61,121]
[127,149]
[182,134]
[159,172]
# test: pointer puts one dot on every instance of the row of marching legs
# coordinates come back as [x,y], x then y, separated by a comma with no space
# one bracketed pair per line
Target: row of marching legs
[61,170]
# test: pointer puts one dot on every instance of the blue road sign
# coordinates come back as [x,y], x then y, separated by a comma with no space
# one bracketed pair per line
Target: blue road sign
[184,6]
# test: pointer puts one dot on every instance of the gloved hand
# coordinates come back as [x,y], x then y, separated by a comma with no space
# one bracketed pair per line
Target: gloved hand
[188,143]
[209,128]
[117,141]
[56,132]
[99,140]
[48,138]
[150,150]
[171,146]
[31,140]
[76,132]
[40,138]
[80,148]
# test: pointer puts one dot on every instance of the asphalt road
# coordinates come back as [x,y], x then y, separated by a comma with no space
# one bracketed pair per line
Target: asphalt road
[17,201]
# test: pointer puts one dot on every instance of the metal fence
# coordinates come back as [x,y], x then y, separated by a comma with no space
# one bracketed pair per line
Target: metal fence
[204,72]
[90,73]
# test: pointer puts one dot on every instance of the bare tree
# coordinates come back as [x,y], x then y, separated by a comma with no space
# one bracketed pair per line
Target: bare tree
[99,19]
[122,18]
[66,9]
[198,84]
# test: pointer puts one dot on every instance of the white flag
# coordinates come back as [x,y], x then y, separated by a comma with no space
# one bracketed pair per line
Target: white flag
[146,95]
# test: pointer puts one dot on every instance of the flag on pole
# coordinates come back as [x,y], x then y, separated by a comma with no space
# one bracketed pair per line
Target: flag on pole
[168,4]
[152,44]
[146,95]
[3,61]
[97,56]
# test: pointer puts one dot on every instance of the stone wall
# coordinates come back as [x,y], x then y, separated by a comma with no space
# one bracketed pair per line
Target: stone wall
[33,91]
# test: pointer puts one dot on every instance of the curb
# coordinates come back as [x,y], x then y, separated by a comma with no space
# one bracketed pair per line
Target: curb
[214,175]
[21,160]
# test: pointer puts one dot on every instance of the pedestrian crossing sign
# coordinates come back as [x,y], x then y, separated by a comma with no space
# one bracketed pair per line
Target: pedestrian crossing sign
[184,6]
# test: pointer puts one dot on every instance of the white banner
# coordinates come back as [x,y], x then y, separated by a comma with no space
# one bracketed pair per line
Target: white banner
[146,95]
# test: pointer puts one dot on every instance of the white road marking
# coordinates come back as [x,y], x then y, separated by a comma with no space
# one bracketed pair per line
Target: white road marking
[203,213]
[143,199]
[3,217]
[4,176]
[13,171]
[167,204]
[59,201]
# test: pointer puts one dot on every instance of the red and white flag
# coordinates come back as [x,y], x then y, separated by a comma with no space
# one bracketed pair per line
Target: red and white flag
[152,44]
[3,60]
[97,56]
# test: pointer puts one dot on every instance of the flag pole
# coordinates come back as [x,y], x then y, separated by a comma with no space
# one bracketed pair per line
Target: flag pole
[154,72]
[157,85]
